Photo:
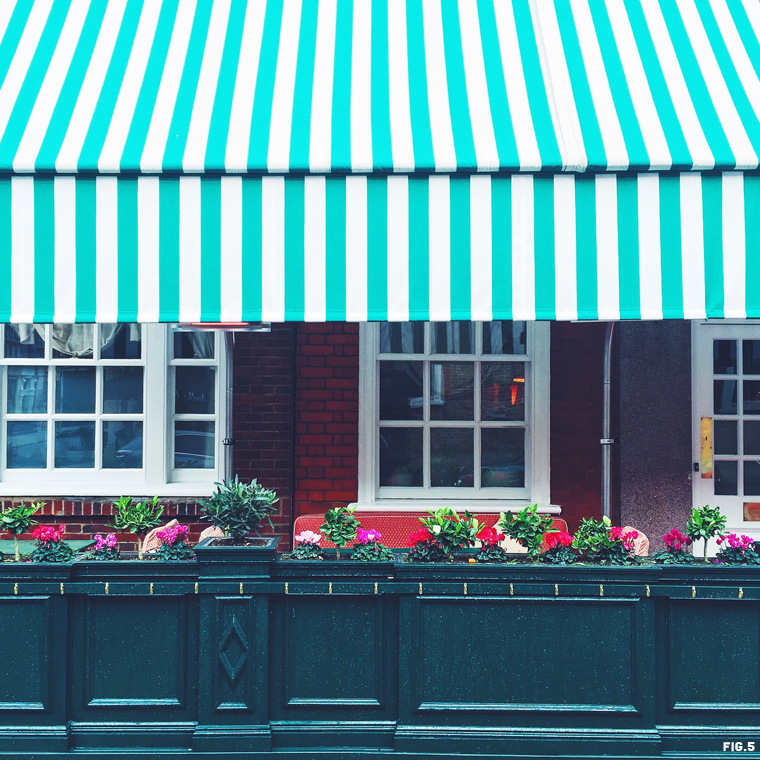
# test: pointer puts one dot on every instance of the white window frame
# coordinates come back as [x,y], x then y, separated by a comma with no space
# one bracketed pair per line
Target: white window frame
[537,481]
[158,475]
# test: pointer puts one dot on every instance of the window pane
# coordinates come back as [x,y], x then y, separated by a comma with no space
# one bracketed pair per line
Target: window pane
[402,337]
[504,337]
[400,390]
[75,390]
[752,438]
[751,397]
[724,396]
[194,392]
[194,445]
[725,437]
[71,341]
[451,457]
[452,391]
[123,390]
[752,478]
[502,458]
[725,478]
[193,345]
[27,390]
[27,445]
[122,341]
[452,337]
[74,444]
[751,357]
[401,457]
[502,389]
[25,341]
[122,445]
[724,357]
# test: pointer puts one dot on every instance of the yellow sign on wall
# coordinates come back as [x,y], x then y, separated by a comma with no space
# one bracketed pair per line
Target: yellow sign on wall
[706,437]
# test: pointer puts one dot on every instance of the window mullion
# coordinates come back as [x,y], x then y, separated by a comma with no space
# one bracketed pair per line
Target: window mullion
[426,424]
[50,411]
[476,452]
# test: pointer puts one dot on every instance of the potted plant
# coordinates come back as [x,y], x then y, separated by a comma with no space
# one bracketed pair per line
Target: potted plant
[527,527]
[490,550]
[307,546]
[424,547]
[105,550]
[238,509]
[369,549]
[50,545]
[607,545]
[558,549]
[737,550]
[138,518]
[340,527]
[18,520]
[444,531]
[675,552]
[174,546]
[705,523]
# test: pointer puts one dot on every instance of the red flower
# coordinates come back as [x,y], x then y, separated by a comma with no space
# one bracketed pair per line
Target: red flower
[489,536]
[48,534]
[561,538]
[419,536]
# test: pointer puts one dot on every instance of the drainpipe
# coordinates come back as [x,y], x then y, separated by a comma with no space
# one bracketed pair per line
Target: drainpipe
[229,440]
[293,420]
[606,441]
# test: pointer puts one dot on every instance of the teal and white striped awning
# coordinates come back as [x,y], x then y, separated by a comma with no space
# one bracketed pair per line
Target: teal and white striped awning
[378,159]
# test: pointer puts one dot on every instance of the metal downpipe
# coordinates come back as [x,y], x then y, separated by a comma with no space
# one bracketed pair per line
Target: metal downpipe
[606,441]
[229,433]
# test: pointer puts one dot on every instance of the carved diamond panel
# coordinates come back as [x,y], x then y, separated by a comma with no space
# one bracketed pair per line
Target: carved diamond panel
[233,650]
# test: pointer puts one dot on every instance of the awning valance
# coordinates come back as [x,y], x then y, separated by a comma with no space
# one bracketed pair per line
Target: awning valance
[355,248]
[278,86]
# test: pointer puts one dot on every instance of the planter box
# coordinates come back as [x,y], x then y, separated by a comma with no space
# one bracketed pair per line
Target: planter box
[233,562]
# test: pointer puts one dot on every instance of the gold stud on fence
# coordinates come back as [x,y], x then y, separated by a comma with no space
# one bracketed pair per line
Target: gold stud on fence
[329,588]
[106,587]
[601,590]
[511,589]
[693,592]
[648,591]
[61,587]
[375,586]
[151,588]
[556,589]
[465,589]
[196,587]
[241,587]
[420,588]
[286,587]
[15,589]
[741,593]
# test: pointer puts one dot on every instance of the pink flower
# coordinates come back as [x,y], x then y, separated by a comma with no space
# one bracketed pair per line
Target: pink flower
[48,534]
[309,537]
[173,535]
[367,536]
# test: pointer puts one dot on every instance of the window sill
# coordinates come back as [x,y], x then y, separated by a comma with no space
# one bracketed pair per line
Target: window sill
[478,507]
[94,490]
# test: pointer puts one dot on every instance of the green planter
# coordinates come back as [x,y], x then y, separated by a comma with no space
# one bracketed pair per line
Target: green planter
[232,562]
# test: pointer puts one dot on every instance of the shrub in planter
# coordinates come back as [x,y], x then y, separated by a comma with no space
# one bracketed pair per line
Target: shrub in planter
[174,546]
[340,526]
[50,545]
[559,549]
[105,549]
[705,523]
[737,550]
[239,509]
[527,527]
[450,530]
[676,549]
[490,550]
[424,547]
[307,546]
[600,542]
[138,518]
[369,549]
[18,520]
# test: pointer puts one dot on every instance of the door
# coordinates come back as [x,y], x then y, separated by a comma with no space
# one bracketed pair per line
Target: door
[726,425]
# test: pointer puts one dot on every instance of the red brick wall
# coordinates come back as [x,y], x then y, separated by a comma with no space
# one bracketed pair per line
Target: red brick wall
[577,352]
[327,409]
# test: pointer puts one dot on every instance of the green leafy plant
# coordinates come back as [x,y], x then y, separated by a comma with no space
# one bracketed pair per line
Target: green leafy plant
[340,526]
[705,523]
[174,545]
[599,541]
[18,520]
[369,549]
[450,530]
[424,548]
[106,549]
[737,550]
[558,549]
[50,545]
[138,518]
[490,550]
[527,527]
[307,546]
[591,536]
[239,509]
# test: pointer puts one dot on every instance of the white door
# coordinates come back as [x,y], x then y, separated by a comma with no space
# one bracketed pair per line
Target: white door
[726,424]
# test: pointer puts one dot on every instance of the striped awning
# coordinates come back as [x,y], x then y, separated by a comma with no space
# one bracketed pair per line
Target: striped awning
[244,160]
[478,247]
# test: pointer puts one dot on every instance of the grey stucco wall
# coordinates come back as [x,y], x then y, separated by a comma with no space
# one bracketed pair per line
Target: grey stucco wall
[654,431]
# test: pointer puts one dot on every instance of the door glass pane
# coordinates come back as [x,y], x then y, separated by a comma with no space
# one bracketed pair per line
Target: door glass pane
[194,390]
[193,345]
[752,438]
[123,390]
[751,357]
[751,396]
[27,390]
[502,458]
[402,337]
[27,445]
[502,388]
[504,337]
[725,437]
[724,357]
[194,445]
[725,478]
[122,445]
[452,337]
[71,341]
[120,341]
[452,391]
[724,396]
[400,457]
[452,457]
[25,341]
[74,444]
[752,478]
[400,390]
[74,390]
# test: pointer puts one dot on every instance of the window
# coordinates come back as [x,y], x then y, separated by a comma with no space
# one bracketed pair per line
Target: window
[454,411]
[86,409]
